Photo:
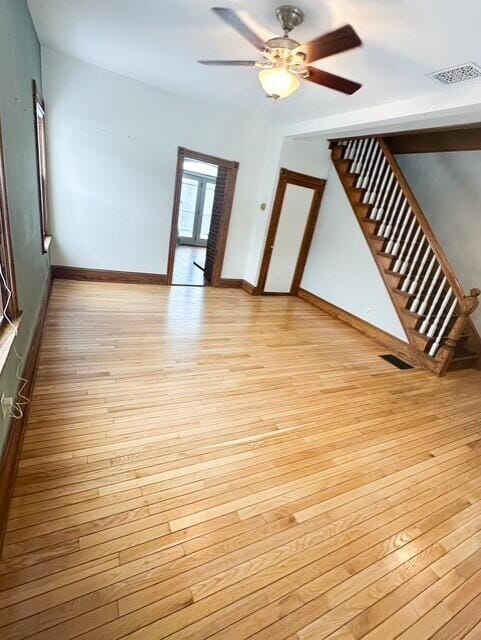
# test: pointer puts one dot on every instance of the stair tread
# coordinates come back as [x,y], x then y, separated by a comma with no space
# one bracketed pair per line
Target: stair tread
[401,275]
[414,314]
[423,297]
[427,338]
[374,236]
[418,334]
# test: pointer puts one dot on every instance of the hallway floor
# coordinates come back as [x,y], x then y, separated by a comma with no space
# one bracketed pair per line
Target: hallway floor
[185,271]
[201,463]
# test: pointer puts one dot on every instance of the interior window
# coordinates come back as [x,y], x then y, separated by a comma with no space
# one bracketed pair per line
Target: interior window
[39,113]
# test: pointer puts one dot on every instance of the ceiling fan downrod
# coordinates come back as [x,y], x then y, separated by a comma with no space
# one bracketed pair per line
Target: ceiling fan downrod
[290,17]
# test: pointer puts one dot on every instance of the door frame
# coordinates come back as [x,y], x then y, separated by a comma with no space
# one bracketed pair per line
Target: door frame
[286,176]
[231,169]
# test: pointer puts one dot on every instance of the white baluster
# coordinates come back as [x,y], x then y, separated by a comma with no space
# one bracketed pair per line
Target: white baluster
[401,221]
[386,227]
[354,149]
[429,293]
[380,209]
[357,164]
[424,281]
[405,260]
[377,196]
[362,159]
[435,346]
[376,188]
[356,155]
[432,329]
[375,176]
[367,164]
[425,325]
[415,281]
[407,240]
[347,150]
[371,165]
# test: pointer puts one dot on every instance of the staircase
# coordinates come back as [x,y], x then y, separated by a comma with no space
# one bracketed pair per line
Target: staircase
[431,304]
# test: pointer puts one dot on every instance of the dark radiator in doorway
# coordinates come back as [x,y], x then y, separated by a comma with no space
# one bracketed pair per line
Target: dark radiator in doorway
[215,223]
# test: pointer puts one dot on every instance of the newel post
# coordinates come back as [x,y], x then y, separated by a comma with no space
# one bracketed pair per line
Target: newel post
[468,305]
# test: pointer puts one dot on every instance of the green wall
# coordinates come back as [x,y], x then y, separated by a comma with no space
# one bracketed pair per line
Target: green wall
[19,63]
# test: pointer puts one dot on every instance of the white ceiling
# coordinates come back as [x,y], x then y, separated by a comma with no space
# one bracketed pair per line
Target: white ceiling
[159,42]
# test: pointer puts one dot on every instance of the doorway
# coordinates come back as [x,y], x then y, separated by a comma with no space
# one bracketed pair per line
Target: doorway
[293,220]
[203,197]
[195,215]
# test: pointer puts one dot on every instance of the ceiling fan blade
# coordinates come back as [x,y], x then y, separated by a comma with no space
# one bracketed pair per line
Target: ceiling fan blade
[332,81]
[330,43]
[228,63]
[240,26]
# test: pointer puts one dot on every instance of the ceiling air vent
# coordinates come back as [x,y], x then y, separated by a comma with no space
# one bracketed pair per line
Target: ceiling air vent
[453,75]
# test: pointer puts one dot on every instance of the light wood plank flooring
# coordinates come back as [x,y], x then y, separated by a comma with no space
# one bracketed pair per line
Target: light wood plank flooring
[201,463]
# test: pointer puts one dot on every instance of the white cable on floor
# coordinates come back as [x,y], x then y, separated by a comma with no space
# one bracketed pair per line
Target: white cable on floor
[16,410]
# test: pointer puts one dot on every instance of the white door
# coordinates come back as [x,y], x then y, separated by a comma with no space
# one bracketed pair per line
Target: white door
[287,243]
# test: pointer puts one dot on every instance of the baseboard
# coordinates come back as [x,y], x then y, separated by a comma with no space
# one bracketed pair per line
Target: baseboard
[13,445]
[237,283]
[105,275]
[276,293]
[382,337]
[230,283]
[248,287]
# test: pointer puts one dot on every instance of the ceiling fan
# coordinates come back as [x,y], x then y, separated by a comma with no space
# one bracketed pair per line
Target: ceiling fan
[284,60]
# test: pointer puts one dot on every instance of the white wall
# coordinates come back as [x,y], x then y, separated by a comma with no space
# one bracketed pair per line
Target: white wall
[448,188]
[306,155]
[112,159]
[340,267]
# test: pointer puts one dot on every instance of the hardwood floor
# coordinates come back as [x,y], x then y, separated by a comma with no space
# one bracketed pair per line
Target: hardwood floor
[201,463]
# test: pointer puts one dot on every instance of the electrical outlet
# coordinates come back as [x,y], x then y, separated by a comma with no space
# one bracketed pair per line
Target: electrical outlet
[368,311]
[7,403]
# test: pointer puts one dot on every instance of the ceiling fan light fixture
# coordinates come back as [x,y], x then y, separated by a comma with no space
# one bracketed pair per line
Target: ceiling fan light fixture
[278,82]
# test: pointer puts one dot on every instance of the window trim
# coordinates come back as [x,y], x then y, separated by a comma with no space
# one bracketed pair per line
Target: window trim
[41,162]
[6,252]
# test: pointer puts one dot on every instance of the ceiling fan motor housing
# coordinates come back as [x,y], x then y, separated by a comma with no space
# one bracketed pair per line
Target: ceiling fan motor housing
[289,17]
[283,42]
